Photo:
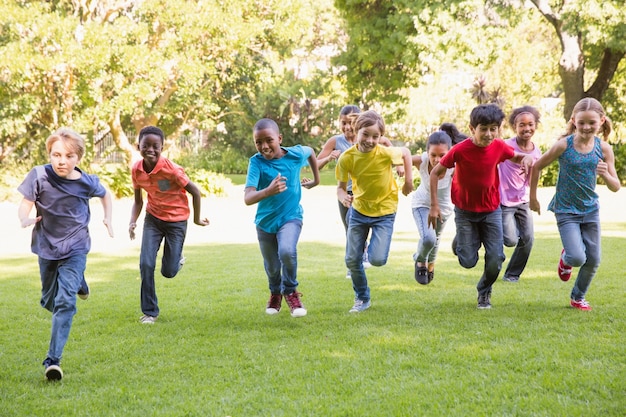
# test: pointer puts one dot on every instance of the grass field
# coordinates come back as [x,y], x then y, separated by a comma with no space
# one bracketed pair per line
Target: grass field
[420,350]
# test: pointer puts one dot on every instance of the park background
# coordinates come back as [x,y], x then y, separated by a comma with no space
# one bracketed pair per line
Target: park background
[205,71]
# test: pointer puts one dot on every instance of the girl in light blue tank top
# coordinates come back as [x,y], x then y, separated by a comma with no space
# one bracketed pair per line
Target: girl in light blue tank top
[582,158]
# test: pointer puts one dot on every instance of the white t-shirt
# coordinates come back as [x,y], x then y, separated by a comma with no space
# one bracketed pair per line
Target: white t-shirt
[421,196]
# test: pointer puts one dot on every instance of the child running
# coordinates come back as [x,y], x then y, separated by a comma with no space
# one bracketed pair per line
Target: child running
[475,195]
[517,219]
[374,201]
[273,181]
[166,216]
[582,158]
[439,143]
[60,191]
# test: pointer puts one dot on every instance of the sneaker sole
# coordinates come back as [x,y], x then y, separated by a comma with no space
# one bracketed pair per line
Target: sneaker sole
[298,312]
[53,373]
[271,311]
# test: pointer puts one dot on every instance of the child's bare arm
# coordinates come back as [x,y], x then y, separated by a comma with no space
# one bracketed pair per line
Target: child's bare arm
[23,213]
[135,212]
[196,195]
[328,152]
[307,183]
[434,214]
[253,196]
[606,168]
[407,187]
[107,206]
[546,159]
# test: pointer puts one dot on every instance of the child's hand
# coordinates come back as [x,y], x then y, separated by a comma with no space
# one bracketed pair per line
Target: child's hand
[602,168]
[347,200]
[307,183]
[407,187]
[109,226]
[334,155]
[202,222]
[534,205]
[400,171]
[278,185]
[131,230]
[434,216]
[29,221]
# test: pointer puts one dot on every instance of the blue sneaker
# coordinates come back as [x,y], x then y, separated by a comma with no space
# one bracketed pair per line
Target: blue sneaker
[83,291]
[360,305]
[53,371]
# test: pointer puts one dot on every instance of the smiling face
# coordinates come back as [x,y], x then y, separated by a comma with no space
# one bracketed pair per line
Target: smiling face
[267,142]
[367,138]
[525,126]
[150,148]
[346,127]
[483,135]
[64,159]
[588,123]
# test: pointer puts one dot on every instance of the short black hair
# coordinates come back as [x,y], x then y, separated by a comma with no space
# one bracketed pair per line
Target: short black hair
[486,114]
[266,124]
[151,130]
[349,109]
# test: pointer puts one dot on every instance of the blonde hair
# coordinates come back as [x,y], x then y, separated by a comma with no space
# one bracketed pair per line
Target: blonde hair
[589,104]
[366,119]
[70,138]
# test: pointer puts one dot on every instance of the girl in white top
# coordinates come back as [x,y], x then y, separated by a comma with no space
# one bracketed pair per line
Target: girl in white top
[439,143]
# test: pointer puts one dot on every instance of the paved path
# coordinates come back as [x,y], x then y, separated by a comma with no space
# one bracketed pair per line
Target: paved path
[232,221]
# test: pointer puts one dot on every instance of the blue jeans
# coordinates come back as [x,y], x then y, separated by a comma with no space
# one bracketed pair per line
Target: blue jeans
[154,232]
[474,229]
[280,256]
[518,231]
[60,281]
[428,245]
[580,235]
[378,248]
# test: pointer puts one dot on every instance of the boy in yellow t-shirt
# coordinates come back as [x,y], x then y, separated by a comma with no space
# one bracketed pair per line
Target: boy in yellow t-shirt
[374,201]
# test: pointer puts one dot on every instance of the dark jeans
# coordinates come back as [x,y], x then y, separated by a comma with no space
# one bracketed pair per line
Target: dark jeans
[474,229]
[154,232]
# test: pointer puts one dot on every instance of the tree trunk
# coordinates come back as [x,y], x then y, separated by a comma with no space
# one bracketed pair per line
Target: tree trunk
[121,140]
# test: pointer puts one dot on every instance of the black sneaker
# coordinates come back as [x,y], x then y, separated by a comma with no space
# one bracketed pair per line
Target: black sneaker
[484,301]
[83,291]
[421,274]
[53,371]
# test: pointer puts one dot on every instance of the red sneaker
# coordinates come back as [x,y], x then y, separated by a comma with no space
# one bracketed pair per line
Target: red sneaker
[273,305]
[295,305]
[580,305]
[565,271]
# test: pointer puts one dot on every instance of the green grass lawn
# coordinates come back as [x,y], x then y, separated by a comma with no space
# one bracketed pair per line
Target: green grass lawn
[419,351]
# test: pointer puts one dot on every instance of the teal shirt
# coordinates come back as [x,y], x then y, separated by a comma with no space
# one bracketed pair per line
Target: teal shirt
[274,211]
[576,184]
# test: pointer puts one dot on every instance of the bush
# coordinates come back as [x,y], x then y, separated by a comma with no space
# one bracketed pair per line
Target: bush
[210,183]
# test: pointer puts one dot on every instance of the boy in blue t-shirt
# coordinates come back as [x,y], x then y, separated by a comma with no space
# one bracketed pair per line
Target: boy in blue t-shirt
[61,192]
[273,181]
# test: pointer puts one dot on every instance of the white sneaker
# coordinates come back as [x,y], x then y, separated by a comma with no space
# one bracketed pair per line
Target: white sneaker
[348,274]
[366,264]
[145,319]
[360,305]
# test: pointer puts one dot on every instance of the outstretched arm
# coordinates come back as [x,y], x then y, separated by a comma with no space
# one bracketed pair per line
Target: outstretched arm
[546,159]
[328,152]
[193,189]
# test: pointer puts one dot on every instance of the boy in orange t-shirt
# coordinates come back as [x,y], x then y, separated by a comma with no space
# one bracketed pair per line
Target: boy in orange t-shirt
[166,217]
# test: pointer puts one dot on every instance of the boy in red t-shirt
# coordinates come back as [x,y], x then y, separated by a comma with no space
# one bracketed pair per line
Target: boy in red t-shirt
[166,217]
[475,194]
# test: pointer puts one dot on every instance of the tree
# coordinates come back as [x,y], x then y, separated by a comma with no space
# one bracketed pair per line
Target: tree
[393,44]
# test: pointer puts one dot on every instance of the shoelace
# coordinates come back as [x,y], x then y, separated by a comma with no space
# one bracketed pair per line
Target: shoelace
[293,300]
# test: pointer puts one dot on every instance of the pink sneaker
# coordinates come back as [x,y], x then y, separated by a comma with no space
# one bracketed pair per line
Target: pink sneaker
[565,271]
[580,305]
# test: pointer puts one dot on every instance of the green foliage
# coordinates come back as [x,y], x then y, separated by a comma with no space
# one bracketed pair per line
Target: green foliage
[209,183]
[218,158]
[117,179]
